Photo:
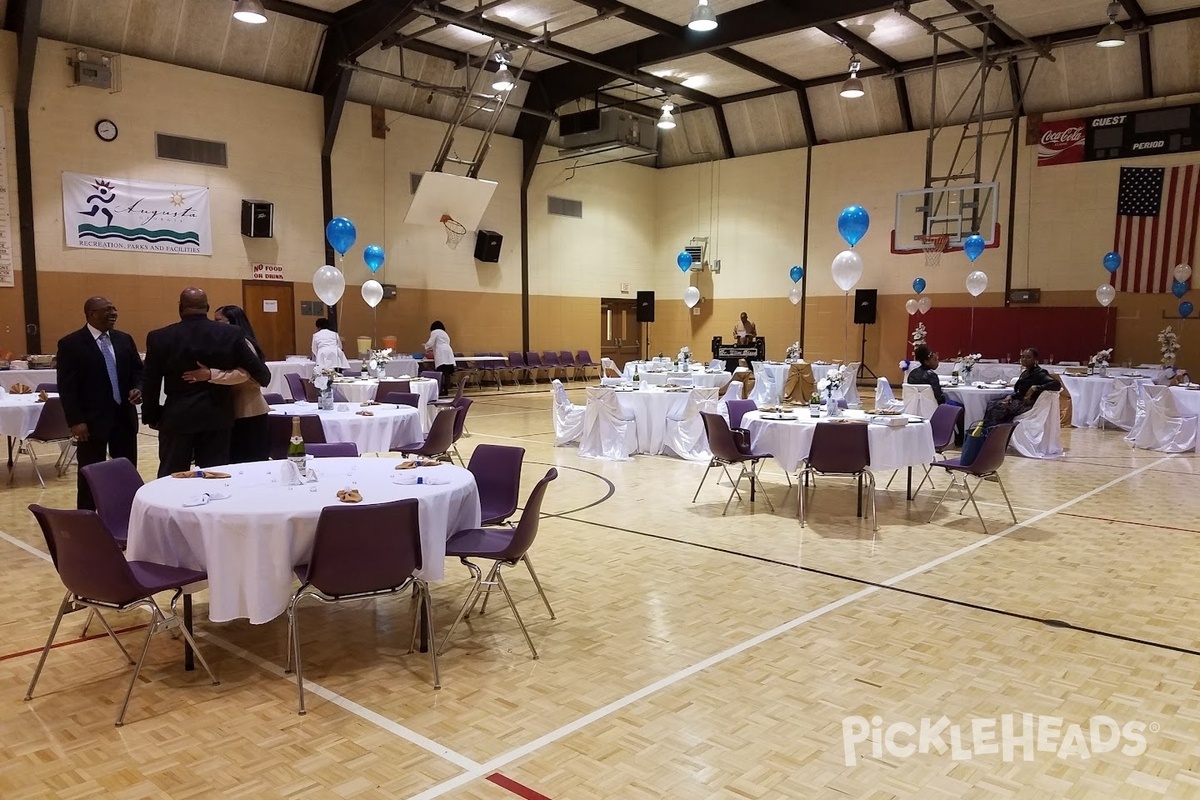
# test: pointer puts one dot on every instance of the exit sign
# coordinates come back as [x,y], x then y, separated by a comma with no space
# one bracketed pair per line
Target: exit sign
[267,272]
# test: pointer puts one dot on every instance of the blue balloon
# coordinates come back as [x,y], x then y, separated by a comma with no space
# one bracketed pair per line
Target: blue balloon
[919,285]
[1112,261]
[1186,309]
[340,234]
[373,256]
[1179,288]
[797,272]
[853,223]
[973,246]
[684,260]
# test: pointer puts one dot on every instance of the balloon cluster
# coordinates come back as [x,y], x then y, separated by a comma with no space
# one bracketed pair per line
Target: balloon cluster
[796,294]
[1105,293]
[915,304]
[847,267]
[329,283]
[1179,287]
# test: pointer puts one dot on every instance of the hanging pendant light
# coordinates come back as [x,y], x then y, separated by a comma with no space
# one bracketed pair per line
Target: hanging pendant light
[667,121]
[852,88]
[703,18]
[1112,34]
[504,81]
[251,11]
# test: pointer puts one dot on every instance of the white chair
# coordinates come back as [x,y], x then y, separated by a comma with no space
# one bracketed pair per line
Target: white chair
[766,390]
[685,436]
[607,432]
[1037,434]
[733,391]
[608,368]
[717,363]
[680,379]
[1119,406]
[1159,426]
[919,400]
[849,388]
[884,396]
[568,417]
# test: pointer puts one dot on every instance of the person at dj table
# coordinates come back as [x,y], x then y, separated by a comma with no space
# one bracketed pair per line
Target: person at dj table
[745,331]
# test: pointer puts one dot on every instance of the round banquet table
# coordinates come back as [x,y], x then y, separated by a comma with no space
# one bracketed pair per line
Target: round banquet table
[1086,393]
[358,390]
[974,400]
[650,408]
[30,377]
[250,541]
[19,414]
[891,448]
[700,378]
[1187,400]
[387,427]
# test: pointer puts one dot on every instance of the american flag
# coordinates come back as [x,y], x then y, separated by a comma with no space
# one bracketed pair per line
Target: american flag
[1157,211]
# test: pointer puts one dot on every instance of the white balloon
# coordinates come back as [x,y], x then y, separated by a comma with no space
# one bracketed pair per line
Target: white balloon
[1105,294]
[924,304]
[847,269]
[330,284]
[1182,272]
[911,306]
[691,296]
[976,283]
[372,293]
[794,295]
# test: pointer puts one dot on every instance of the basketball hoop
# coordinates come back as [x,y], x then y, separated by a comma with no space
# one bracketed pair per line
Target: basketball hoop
[455,231]
[933,246]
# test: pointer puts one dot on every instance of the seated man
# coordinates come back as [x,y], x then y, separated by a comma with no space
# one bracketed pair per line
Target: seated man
[926,373]
[1033,381]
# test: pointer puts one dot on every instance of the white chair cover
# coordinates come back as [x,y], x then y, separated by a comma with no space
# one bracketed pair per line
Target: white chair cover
[883,393]
[1159,426]
[716,363]
[680,379]
[1119,406]
[734,391]
[607,381]
[919,400]
[608,368]
[849,388]
[685,436]
[766,391]
[607,432]
[568,417]
[1037,431]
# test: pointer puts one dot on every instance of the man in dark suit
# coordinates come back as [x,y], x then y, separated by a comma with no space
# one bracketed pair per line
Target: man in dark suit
[100,382]
[195,422]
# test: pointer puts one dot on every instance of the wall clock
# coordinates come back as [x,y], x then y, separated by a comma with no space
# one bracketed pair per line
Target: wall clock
[106,129]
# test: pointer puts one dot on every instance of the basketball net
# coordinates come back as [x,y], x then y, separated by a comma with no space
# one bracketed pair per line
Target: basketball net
[934,246]
[455,230]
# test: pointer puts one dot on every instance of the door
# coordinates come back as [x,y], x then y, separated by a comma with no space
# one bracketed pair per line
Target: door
[620,333]
[270,307]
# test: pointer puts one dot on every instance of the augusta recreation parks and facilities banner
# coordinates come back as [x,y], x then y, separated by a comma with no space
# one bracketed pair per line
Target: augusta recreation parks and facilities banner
[119,214]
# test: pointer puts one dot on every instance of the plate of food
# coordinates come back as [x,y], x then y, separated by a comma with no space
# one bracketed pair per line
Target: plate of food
[885,412]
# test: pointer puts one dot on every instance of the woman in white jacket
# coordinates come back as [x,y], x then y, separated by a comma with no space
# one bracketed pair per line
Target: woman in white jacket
[438,348]
[327,347]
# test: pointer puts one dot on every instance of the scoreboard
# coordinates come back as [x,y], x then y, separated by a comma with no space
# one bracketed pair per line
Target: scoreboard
[1152,132]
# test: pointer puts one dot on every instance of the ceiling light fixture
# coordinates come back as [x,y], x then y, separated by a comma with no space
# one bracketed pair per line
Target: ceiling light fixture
[666,121]
[853,87]
[504,81]
[703,18]
[251,11]
[1112,34]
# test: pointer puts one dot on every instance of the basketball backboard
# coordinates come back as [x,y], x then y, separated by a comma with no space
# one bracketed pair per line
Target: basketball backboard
[952,211]
[440,193]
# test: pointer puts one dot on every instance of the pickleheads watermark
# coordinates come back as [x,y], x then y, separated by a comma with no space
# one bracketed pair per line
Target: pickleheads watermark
[1011,736]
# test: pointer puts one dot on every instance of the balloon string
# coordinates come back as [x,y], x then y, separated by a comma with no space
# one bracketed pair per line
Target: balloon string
[846,333]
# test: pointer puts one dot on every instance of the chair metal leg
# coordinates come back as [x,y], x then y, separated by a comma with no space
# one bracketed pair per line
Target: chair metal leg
[538,584]
[513,606]
[871,489]
[112,634]
[156,615]
[66,605]
[294,653]
[971,500]
[427,603]
[928,477]
[87,622]
[703,478]
[741,475]
[942,499]
[754,480]
[37,470]
[1006,501]
[801,486]
[488,584]
[477,575]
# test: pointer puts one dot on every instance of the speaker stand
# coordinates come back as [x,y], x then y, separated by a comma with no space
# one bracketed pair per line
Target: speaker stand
[645,342]
[862,359]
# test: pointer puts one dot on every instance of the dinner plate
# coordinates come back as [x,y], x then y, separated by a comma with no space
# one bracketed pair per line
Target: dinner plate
[777,415]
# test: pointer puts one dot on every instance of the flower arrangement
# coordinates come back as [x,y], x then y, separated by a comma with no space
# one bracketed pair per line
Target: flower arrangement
[685,355]
[1100,360]
[1168,345]
[322,381]
[918,335]
[964,364]
[832,380]
[378,359]
[793,351]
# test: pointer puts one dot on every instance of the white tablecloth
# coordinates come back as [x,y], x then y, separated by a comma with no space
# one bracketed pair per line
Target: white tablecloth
[399,367]
[29,377]
[360,391]
[279,369]
[387,427]
[891,448]
[250,541]
[974,400]
[650,408]
[700,378]
[1086,394]
[19,414]
[1187,401]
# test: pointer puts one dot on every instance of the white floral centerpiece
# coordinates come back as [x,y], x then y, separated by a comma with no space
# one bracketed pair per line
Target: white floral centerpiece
[793,352]
[685,357]
[1100,359]
[833,379]
[1168,345]
[918,336]
[966,363]
[377,360]
[322,381]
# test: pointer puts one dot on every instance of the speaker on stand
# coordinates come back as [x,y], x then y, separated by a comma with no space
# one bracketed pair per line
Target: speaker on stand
[645,315]
[865,305]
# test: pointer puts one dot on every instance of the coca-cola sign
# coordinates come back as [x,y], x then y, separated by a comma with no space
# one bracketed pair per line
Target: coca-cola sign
[1062,142]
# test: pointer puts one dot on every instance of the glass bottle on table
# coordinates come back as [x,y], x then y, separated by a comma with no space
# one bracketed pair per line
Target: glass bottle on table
[637,379]
[295,453]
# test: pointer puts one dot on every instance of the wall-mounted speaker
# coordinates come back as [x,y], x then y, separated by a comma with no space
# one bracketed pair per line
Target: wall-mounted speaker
[487,246]
[864,306]
[258,219]
[645,306]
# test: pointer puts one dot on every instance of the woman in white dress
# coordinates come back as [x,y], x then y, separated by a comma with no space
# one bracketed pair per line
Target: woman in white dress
[327,347]
[438,348]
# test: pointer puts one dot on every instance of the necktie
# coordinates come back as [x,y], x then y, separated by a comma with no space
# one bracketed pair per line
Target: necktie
[110,361]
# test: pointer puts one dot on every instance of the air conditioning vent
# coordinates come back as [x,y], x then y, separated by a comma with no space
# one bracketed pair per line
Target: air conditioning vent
[581,122]
[697,248]
[563,207]
[193,151]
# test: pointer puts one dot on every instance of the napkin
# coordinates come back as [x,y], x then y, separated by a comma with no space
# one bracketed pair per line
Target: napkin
[427,480]
[370,403]
[290,474]
[365,413]
[204,499]
[42,396]
[20,388]
[419,462]
[201,473]
[349,496]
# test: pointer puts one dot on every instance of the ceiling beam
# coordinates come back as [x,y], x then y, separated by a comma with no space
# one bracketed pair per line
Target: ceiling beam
[806,118]
[723,131]
[1138,17]
[852,40]
[298,11]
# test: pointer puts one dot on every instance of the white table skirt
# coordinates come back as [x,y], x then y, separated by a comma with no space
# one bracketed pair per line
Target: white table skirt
[279,369]
[249,542]
[700,379]
[19,414]
[29,377]
[360,391]
[1086,394]
[891,448]
[402,367]
[387,427]
[650,409]
[1187,401]
[974,400]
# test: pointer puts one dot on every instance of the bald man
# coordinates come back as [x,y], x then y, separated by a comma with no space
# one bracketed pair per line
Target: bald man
[195,422]
[100,383]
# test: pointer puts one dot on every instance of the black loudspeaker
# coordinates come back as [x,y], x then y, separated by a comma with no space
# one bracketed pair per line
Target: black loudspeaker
[487,246]
[864,306]
[258,219]
[645,307]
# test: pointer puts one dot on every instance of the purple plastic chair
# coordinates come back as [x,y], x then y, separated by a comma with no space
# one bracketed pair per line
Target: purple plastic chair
[945,419]
[738,409]
[986,466]
[583,362]
[98,577]
[438,441]
[295,386]
[273,398]
[489,369]
[839,450]
[389,386]
[51,427]
[516,363]
[332,450]
[51,388]
[533,362]
[504,547]
[360,552]
[460,424]
[552,364]
[567,361]
[310,392]
[458,395]
[279,432]
[726,452]
[403,399]
[113,484]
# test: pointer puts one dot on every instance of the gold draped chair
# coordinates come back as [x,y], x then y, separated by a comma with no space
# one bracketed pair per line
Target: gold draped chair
[801,384]
[1064,403]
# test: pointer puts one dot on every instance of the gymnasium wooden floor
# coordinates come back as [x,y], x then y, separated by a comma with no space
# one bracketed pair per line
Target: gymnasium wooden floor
[694,656]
